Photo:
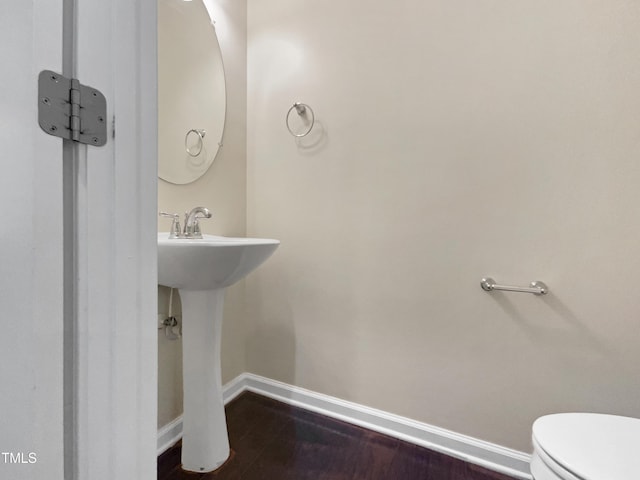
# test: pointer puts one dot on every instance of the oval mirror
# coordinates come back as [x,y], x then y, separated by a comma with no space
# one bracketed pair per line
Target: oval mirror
[191,91]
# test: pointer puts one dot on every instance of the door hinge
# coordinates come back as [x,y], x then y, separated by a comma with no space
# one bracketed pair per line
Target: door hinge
[70,110]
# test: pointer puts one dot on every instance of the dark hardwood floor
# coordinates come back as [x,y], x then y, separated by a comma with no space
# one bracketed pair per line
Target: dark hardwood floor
[274,441]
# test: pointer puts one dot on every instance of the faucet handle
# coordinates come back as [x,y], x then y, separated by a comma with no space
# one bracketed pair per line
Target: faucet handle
[175,232]
[197,232]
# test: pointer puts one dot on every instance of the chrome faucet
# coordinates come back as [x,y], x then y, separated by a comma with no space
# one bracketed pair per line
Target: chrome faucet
[191,224]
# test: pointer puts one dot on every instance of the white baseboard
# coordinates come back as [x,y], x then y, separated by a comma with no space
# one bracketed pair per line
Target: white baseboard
[472,450]
[169,434]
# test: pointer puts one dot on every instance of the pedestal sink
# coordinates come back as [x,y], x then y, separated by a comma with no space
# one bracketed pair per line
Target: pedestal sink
[201,269]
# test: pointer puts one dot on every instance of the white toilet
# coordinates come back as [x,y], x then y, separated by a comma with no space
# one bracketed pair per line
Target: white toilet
[586,446]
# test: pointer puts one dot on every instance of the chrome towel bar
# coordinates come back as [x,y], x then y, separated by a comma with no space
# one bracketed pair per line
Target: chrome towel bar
[537,287]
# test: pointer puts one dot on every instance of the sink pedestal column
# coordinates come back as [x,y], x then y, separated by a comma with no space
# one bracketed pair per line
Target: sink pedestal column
[205,444]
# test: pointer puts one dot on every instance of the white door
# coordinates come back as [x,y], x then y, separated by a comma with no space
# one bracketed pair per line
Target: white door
[31,275]
[78,340]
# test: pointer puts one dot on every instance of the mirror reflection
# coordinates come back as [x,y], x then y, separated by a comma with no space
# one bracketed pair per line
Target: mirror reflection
[191,91]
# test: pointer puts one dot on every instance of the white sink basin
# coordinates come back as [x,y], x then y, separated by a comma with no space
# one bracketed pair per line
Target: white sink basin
[211,262]
[201,269]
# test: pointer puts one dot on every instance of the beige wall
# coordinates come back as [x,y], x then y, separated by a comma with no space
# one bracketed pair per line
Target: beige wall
[454,140]
[223,190]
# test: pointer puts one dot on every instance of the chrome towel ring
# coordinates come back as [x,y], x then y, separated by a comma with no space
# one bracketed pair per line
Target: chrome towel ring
[301,109]
[201,133]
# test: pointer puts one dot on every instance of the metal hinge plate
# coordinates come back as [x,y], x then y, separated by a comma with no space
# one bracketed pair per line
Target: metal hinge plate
[70,110]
